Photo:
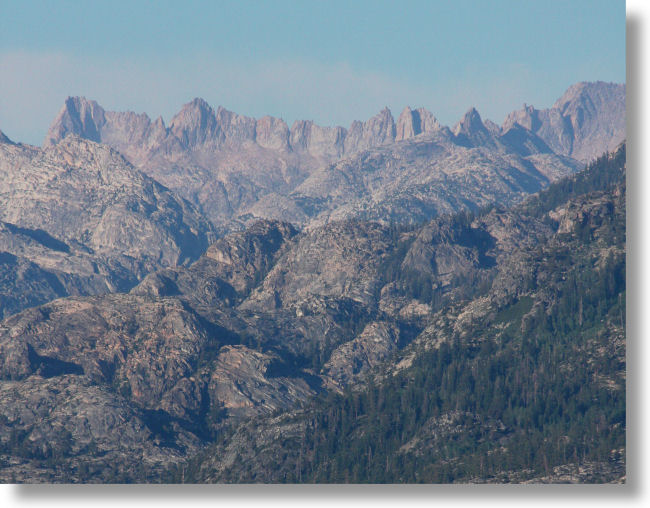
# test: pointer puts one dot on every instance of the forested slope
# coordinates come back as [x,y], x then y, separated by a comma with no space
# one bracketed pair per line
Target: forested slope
[522,381]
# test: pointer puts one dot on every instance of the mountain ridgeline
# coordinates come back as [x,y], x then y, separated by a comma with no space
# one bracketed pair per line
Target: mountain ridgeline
[227,299]
[522,380]
[113,196]
[213,157]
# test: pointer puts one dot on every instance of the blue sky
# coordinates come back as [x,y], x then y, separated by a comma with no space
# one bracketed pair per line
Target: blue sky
[331,62]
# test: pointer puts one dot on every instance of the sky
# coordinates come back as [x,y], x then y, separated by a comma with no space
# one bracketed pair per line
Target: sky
[331,62]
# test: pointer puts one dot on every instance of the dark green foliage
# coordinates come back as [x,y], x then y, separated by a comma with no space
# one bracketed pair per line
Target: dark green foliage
[602,174]
[411,283]
[538,383]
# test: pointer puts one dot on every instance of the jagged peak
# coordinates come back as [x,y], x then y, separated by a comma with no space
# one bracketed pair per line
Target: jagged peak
[384,117]
[413,122]
[385,113]
[473,114]
[492,127]
[408,124]
[301,124]
[582,88]
[78,115]
[195,123]
[470,123]
[196,105]
[525,117]
[4,139]
[79,101]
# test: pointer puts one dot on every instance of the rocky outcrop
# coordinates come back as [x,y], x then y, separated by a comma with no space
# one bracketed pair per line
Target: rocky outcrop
[537,253]
[245,383]
[86,194]
[272,133]
[340,260]
[377,131]
[110,370]
[80,117]
[25,284]
[587,121]
[84,221]
[270,317]
[373,345]
[211,157]
[417,179]
[228,270]
[267,317]
[87,429]
[412,123]
[470,130]
[245,258]
[4,139]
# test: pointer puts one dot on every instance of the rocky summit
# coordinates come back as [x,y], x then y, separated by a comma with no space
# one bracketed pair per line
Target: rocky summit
[79,219]
[586,121]
[213,157]
[230,299]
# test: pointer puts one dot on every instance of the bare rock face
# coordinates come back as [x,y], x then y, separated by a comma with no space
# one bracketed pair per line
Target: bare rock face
[351,360]
[340,260]
[470,130]
[263,321]
[326,143]
[196,124]
[91,336]
[219,286]
[597,115]
[89,430]
[244,384]
[244,258]
[587,121]
[4,139]
[272,133]
[523,142]
[377,131]
[212,157]
[36,268]
[419,178]
[87,194]
[586,216]
[236,168]
[87,221]
[408,125]
[160,373]
[227,271]
[79,116]
[411,123]
[25,284]
[492,127]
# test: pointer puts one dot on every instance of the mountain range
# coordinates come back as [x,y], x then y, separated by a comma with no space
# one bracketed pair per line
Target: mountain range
[236,169]
[227,298]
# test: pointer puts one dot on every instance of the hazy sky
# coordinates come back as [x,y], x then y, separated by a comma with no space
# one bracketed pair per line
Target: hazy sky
[331,62]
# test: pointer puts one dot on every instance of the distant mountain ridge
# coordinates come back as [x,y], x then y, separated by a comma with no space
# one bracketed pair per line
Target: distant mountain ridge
[231,359]
[382,303]
[237,169]
[583,110]
[198,124]
[588,120]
